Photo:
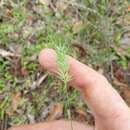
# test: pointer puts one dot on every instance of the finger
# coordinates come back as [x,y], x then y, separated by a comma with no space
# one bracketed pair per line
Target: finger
[47,59]
[103,100]
[56,125]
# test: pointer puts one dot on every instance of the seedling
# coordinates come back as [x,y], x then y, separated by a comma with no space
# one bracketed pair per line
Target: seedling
[60,44]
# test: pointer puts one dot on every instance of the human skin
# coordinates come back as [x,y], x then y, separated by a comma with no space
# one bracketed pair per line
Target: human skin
[109,109]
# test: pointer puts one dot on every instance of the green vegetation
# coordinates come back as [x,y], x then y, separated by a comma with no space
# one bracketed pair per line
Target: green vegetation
[88,30]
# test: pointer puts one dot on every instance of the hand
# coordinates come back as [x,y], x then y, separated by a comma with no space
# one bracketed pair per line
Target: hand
[109,109]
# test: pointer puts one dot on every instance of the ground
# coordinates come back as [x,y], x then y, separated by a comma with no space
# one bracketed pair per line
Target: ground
[95,32]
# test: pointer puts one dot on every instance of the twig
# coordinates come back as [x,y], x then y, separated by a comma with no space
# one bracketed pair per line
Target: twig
[5,53]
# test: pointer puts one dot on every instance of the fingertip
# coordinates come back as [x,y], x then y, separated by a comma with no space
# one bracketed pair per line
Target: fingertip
[47,59]
[44,55]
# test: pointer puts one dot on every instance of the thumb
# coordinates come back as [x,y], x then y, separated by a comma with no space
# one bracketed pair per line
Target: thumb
[100,96]
[81,75]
